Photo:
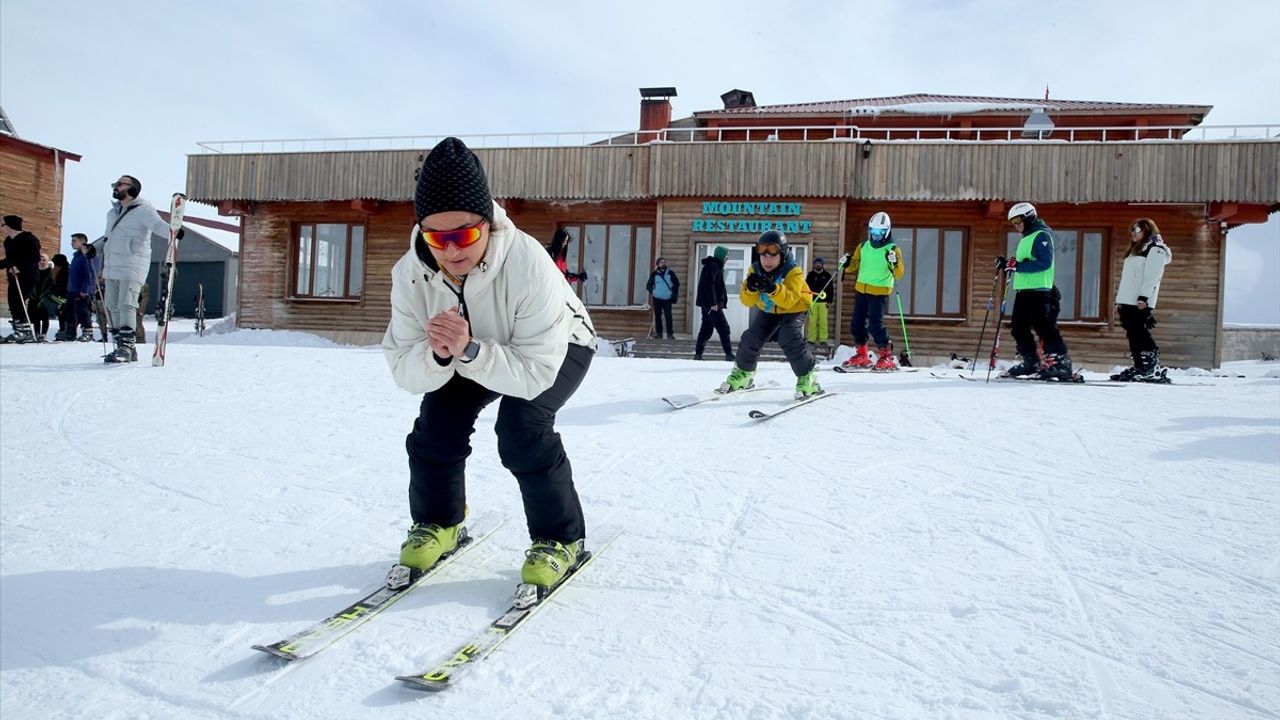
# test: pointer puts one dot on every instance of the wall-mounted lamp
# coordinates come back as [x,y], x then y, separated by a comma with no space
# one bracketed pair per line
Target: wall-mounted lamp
[866,149]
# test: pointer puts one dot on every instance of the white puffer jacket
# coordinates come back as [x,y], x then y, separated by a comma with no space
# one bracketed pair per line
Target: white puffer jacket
[127,253]
[1140,278]
[521,311]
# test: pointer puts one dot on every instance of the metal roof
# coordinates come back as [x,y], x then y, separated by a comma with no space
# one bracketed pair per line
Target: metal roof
[957,104]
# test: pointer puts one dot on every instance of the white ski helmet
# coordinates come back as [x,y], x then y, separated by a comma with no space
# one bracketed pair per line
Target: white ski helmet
[1024,210]
[880,221]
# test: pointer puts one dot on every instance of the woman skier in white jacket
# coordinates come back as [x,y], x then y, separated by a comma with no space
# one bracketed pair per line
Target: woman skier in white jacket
[1136,298]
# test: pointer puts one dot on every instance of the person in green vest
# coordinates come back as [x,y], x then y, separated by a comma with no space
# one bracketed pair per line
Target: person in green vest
[877,264]
[1036,300]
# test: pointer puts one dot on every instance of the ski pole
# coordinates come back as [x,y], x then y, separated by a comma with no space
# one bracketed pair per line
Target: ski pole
[905,358]
[995,345]
[991,299]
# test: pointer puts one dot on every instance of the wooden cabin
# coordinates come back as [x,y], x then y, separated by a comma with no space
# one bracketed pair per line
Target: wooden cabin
[32,179]
[321,230]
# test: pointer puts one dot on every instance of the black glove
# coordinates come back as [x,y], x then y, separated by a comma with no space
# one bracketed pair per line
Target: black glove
[1149,318]
[582,276]
[181,232]
[757,282]
[1000,262]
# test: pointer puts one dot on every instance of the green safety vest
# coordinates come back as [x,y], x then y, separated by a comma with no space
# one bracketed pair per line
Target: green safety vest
[873,269]
[1042,280]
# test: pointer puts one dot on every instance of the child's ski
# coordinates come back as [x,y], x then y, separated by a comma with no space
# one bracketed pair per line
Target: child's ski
[680,402]
[767,414]
[164,305]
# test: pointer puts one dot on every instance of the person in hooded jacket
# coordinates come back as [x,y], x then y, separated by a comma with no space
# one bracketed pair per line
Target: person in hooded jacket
[774,285]
[21,265]
[1136,298]
[819,282]
[559,252]
[125,248]
[479,313]
[711,299]
[877,264]
[1036,300]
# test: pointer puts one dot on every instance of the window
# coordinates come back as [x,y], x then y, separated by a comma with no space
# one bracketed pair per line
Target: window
[1077,271]
[329,261]
[932,283]
[617,259]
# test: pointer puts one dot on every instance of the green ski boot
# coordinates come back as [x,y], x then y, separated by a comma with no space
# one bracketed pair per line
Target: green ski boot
[426,543]
[807,385]
[738,380]
[547,562]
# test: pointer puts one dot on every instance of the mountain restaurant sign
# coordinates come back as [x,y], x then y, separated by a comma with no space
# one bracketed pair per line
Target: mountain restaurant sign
[721,220]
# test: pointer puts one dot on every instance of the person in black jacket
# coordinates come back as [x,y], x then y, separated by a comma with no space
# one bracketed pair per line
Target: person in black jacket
[819,282]
[711,298]
[21,260]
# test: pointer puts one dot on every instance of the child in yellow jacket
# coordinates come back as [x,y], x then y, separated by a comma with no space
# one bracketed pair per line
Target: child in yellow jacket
[775,285]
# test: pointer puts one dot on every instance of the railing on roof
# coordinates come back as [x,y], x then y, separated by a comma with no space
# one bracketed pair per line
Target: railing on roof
[783,133]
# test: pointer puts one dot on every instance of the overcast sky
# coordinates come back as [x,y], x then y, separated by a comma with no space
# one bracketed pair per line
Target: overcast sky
[132,87]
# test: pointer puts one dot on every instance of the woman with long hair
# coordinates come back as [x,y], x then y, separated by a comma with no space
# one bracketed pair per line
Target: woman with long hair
[1136,299]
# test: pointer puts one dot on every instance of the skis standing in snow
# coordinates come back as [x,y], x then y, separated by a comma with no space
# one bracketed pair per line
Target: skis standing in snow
[1136,299]
[1036,300]
[775,286]
[126,251]
[479,312]
[877,264]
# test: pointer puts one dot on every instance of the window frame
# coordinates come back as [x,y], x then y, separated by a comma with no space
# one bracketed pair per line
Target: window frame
[295,271]
[966,253]
[636,294]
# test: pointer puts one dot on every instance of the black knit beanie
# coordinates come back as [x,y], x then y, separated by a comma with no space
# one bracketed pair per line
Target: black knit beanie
[13,221]
[451,179]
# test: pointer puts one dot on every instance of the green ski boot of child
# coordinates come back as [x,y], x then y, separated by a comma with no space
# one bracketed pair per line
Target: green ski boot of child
[807,385]
[427,543]
[738,380]
[547,562]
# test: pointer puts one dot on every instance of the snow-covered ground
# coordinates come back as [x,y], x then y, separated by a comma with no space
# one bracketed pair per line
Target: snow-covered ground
[912,548]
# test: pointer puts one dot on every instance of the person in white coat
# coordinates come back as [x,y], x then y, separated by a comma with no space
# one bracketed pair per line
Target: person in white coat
[479,312]
[125,249]
[1144,265]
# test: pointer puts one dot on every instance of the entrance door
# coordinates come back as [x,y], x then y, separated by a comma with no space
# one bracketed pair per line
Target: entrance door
[735,270]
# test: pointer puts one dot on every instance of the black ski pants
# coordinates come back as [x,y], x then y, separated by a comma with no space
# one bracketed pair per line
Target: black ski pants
[22,286]
[713,320]
[789,328]
[661,311]
[1037,310]
[1136,324]
[868,315]
[528,445]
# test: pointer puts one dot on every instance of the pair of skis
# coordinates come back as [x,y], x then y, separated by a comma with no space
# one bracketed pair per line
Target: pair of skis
[1076,379]
[164,305]
[680,402]
[311,640]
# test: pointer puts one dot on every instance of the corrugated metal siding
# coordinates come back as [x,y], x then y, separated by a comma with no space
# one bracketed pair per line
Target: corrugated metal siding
[1234,171]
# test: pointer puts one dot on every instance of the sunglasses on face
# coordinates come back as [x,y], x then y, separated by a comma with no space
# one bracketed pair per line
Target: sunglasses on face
[769,249]
[461,238]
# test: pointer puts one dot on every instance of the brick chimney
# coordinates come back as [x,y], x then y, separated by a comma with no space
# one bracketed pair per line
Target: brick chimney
[655,112]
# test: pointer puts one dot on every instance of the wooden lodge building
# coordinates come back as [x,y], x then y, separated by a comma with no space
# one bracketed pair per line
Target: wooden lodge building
[321,230]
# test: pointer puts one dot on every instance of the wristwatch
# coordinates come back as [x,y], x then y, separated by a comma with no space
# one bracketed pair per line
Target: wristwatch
[471,351]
